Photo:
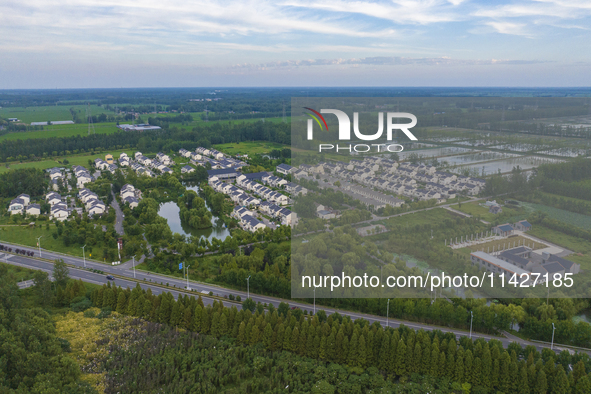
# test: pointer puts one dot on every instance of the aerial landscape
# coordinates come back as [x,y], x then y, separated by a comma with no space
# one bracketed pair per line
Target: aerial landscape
[194,197]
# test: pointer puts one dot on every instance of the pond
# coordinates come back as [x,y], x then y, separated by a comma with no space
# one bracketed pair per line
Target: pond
[435,152]
[170,212]
[506,165]
[474,158]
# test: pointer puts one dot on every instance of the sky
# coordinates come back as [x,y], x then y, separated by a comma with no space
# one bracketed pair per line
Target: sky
[188,43]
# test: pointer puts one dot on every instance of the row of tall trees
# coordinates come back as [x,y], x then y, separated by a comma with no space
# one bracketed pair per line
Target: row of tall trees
[397,353]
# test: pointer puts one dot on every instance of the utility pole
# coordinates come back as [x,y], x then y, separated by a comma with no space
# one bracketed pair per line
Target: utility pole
[133,257]
[84,255]
[552,344]
[314,300]
[471,317]
[39,245]
[248,287]
[388,314]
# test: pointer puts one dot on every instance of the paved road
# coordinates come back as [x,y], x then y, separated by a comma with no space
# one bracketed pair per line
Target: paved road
[87,276]
[118,216]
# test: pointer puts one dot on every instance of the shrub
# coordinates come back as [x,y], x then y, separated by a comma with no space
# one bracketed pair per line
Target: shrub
[80,304]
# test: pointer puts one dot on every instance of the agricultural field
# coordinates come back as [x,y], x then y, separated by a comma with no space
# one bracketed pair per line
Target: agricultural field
[571,218]
[49,113]
[249,148]
[66,130]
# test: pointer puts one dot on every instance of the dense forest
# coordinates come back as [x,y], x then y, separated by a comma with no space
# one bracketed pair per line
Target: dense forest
[165,140]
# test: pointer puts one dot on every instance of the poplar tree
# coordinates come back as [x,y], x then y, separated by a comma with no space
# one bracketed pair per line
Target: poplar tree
[268,337]
[583,385]
[242,333]
[523,384]
[400,364]
[196,324]
[459,372]
[121,303]
[560,382]
[254,335]
[541,383]
[352,352]
[362,353]
[295,336]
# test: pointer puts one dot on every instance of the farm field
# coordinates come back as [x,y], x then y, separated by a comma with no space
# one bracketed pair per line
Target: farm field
[50,112]
[571,218]
[67,130]
[249,148]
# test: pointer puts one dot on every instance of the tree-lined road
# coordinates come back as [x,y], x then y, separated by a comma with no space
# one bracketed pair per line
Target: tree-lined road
[143,278]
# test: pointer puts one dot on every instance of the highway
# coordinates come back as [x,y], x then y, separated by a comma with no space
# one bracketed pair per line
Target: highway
[128,281]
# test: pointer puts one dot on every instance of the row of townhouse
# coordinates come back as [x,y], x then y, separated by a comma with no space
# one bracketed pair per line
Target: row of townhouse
[124,160]
[130,195]
[290,187]
[164,159]
[92,204]
[263,191]
[209,152]
[22,204]
[247,220]
[141,170]
[82,176]
[287,217]
[102,165]
[237,195]
[56,178]
[59,209]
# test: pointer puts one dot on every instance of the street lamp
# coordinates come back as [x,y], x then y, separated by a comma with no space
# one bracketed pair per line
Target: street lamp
[39,245]
[314,300]
[188,288]
[388,314]
[84,255]
[248,287]
[552,345]
[471,317]
[133,257]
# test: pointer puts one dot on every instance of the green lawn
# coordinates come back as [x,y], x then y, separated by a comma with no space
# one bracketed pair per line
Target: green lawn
[249,148]
[49,113]
[474,209]
[44,164]
[575,244]
[20,273]
[28,237]
[82,159]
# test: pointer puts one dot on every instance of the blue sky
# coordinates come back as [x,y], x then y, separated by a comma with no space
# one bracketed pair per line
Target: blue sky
[149,43]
